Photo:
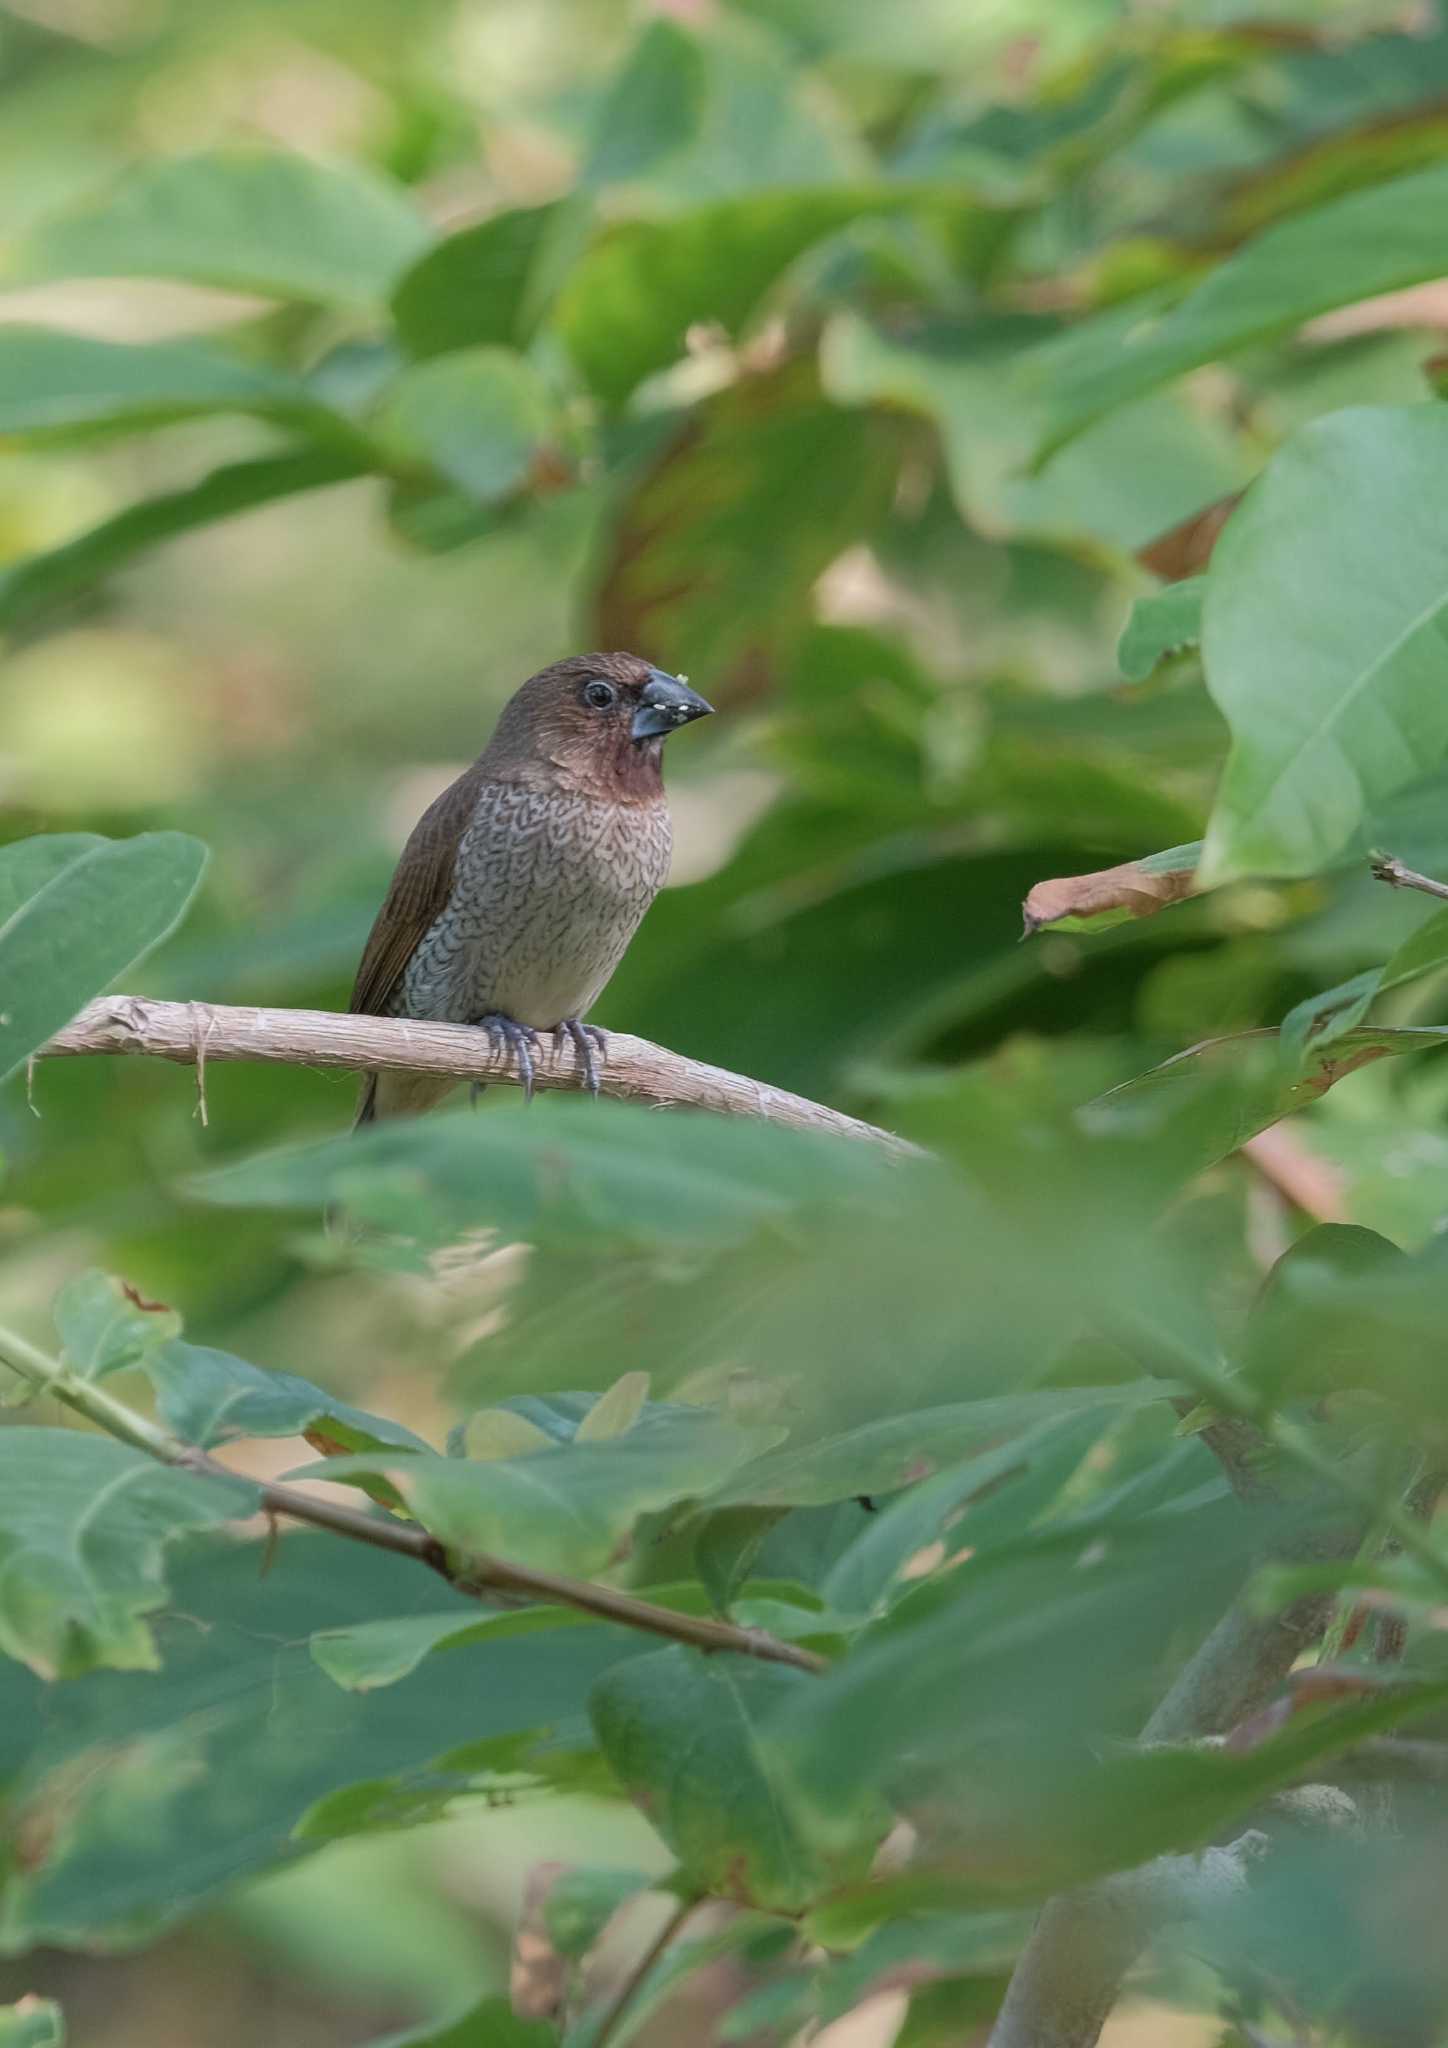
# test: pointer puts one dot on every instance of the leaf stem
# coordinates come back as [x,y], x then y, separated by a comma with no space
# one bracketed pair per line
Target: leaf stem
[633,1979]
[479,1575]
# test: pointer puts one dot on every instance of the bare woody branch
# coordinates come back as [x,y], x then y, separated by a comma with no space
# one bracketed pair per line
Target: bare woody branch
[634,1070]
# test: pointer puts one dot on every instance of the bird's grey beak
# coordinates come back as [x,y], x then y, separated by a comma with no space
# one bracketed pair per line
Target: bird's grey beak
[664,703]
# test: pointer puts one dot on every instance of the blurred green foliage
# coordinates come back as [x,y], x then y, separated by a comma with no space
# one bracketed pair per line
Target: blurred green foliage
[892,372]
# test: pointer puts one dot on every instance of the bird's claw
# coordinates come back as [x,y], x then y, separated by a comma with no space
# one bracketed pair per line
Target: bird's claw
[519,1040]
[584,1038]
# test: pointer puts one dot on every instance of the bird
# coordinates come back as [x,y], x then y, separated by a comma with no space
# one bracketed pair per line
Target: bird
[520,887]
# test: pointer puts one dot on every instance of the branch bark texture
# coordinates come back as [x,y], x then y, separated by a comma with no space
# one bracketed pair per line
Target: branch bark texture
[634,1070]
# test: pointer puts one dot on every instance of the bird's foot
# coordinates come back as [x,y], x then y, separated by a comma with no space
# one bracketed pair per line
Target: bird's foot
[518,1039]
[585,1040]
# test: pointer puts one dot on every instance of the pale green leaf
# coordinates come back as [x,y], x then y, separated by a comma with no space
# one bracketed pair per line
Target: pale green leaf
[83,925]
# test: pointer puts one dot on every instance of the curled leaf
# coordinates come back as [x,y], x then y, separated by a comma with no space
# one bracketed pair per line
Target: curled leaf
[1095,902]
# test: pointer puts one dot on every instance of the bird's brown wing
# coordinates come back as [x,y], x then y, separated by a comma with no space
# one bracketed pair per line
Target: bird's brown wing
[419,891]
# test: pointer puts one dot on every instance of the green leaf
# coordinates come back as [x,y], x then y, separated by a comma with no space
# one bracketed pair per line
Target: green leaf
[153,1789]
[208,1397]
[684,1733]
[57,383]
[1378,240]
[585,1172]
[83,1524]
[654,105]
[37,582]
[718,546]
[1323,631]
[1322,1018]
[79,926]
[1161,624]
[901,1450]
[249,220]
[1265,1086]
[491,2024]
[33,2023]
[567,1508]
[486,286]
[480,418]
[104,1326]
[379,1653]
[628,304]
[615,1411]
[1130,481]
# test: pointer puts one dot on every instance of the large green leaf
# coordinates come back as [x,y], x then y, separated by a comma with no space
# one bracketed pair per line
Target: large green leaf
[77,927]
[83,1523]
[251,220]
[144,1792]
[1374,241]
[56,383]
[1324,631]
[208,1398]
[683,1733]
[37,582]
[570,1506]
[480,418]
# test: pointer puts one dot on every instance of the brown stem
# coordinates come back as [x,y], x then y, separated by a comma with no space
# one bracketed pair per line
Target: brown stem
[1387,868]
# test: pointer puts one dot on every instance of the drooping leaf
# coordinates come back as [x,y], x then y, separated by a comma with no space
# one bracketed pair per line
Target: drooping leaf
[77,927]
[684,1733]
[83,1525]
[1323,634]
[37,582]
[1162,624]
[53,383]
[209,1398]
[1374,241]
[1135,888]
[252,220]
[106,1326]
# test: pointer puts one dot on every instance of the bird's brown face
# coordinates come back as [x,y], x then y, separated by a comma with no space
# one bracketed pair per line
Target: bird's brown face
[598,719]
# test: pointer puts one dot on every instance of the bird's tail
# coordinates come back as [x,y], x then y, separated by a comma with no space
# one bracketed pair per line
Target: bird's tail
[367,1104]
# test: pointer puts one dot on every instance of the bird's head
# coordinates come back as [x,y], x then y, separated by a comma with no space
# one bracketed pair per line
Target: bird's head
[596,722]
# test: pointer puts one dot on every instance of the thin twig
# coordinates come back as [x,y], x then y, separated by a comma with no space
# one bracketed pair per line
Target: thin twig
[1387,868]
[623,1997]
[478,1575]
[633,1069]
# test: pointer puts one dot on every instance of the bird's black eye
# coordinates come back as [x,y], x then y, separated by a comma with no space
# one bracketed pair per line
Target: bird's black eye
[600,695]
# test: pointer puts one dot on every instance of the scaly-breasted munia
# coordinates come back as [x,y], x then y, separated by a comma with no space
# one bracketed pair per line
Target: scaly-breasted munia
[520,887]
